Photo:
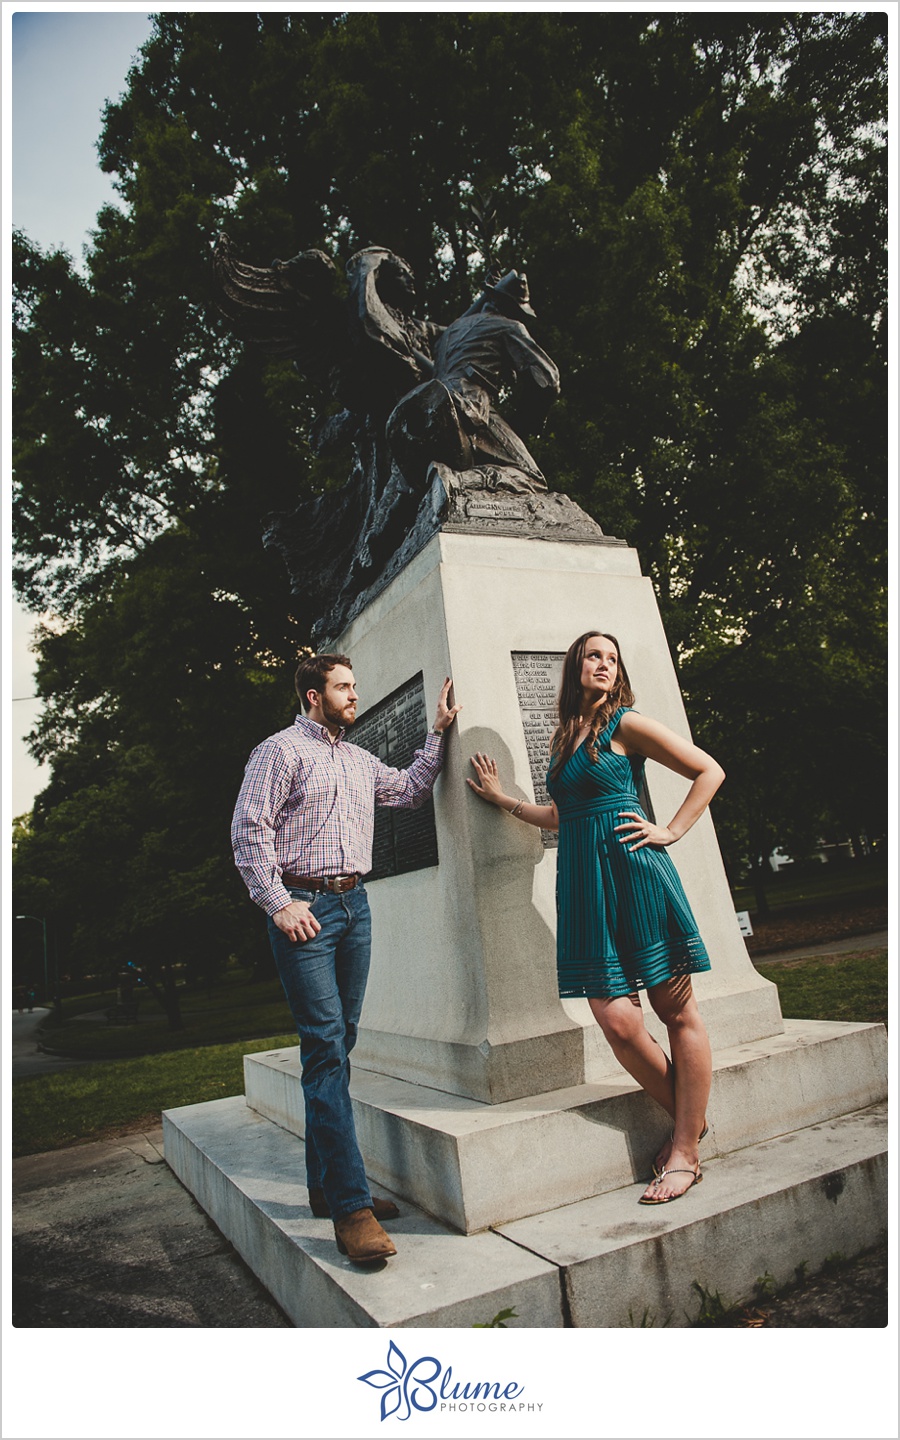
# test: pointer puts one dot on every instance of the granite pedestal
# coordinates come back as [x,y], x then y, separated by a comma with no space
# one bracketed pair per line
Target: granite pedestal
[462,993]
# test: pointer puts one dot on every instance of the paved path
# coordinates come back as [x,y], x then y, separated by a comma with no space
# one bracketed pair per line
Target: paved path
[104,1235]
[27,1059]
[876,940]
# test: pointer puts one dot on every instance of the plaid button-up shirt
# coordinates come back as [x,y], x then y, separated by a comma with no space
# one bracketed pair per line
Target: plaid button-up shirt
[307,806]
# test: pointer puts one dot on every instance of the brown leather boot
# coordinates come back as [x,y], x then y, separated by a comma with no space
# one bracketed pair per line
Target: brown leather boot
[381,1209]
[360,1237]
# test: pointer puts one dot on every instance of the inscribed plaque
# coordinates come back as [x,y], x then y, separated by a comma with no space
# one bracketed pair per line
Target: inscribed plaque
[394,730]
[538,674]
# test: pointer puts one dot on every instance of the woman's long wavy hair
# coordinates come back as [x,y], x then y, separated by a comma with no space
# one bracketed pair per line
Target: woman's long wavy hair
[570,701]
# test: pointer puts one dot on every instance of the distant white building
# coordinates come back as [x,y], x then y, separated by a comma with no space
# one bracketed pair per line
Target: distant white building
[842,850]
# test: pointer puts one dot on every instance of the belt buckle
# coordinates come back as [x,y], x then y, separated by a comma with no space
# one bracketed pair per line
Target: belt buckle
[336,884]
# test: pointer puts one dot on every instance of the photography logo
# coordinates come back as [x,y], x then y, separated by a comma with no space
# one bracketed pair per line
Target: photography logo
[427,1385]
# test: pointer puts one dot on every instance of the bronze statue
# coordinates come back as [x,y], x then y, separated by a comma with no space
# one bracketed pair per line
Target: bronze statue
[451,420]
[418,406]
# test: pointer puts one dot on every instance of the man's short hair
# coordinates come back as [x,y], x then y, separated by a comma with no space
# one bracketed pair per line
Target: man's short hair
[312,673]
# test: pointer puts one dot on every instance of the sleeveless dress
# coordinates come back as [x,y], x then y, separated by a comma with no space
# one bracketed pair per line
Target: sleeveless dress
[624,923]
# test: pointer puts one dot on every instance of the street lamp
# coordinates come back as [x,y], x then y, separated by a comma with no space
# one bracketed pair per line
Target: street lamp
[43,924]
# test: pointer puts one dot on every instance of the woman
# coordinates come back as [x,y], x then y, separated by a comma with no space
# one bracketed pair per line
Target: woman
[624,922]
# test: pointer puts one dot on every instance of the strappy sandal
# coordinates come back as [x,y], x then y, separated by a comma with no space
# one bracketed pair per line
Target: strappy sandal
[657,1173]
[697,1176]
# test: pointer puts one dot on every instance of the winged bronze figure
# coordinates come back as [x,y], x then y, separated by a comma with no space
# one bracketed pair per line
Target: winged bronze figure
[416,401]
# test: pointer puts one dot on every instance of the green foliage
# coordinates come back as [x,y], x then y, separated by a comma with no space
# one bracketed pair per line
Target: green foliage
[229,1008]
[700,203]
[765,1287]
[498,1322]
[713,1309]
[859,882]
[647,1320]
[159,691]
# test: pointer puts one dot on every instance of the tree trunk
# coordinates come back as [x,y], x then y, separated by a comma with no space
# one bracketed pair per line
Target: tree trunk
[761,843]
[759,876]
[166,995]
[171,1003]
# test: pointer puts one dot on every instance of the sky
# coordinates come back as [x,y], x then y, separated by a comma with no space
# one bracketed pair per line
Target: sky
[65,66]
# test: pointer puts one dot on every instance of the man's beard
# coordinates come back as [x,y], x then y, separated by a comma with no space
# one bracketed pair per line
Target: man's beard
[333,716]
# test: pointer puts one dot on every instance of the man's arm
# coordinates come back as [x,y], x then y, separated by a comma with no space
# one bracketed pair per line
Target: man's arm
[266,787]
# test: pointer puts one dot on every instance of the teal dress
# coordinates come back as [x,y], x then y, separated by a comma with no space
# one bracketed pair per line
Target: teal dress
[624,923]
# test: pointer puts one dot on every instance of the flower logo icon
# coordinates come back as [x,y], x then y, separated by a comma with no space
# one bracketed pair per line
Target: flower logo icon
[406,1388]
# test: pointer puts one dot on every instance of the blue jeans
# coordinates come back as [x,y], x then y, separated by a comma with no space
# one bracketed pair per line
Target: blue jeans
[324,980]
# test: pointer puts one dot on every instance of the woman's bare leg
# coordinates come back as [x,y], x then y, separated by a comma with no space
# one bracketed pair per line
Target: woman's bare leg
[676,1007]
[622,1023]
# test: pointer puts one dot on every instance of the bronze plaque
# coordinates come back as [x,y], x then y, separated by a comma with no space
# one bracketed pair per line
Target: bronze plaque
[394,730]
[538,674]
[478,508]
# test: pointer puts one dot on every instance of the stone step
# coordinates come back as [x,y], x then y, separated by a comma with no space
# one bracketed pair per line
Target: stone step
[768,1209]
[474,1165]
[247,1174]
[763,1209]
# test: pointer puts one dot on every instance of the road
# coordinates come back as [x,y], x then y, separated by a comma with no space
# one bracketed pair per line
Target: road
[877,940]
[105,1236]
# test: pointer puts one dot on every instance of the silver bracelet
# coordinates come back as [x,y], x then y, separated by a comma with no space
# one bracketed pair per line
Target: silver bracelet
[516,808]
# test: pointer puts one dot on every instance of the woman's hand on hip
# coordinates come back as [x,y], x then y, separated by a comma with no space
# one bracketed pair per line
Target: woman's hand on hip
[641,831]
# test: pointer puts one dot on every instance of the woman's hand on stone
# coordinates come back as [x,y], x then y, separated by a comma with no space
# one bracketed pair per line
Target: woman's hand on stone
[487,785]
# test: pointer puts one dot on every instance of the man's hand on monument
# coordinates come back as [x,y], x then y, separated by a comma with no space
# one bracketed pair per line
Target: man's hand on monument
[446,713]
[297,921]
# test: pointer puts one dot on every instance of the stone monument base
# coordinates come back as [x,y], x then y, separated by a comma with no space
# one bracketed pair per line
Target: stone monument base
[462,994]
[795,1169]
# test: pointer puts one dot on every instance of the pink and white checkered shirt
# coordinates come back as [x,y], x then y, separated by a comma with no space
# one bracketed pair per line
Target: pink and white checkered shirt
[307,806]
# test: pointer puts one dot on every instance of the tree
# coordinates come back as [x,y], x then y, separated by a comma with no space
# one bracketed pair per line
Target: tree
[161,689]
[699,200]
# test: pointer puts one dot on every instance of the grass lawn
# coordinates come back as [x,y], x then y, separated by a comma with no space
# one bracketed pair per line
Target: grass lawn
[94,1100]
[847,987]
[91,1101]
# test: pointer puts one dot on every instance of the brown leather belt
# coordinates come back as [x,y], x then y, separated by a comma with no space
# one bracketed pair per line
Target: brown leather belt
[335,883]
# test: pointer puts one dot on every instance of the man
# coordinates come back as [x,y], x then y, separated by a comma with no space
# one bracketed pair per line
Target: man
[451,419]
[302,836]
